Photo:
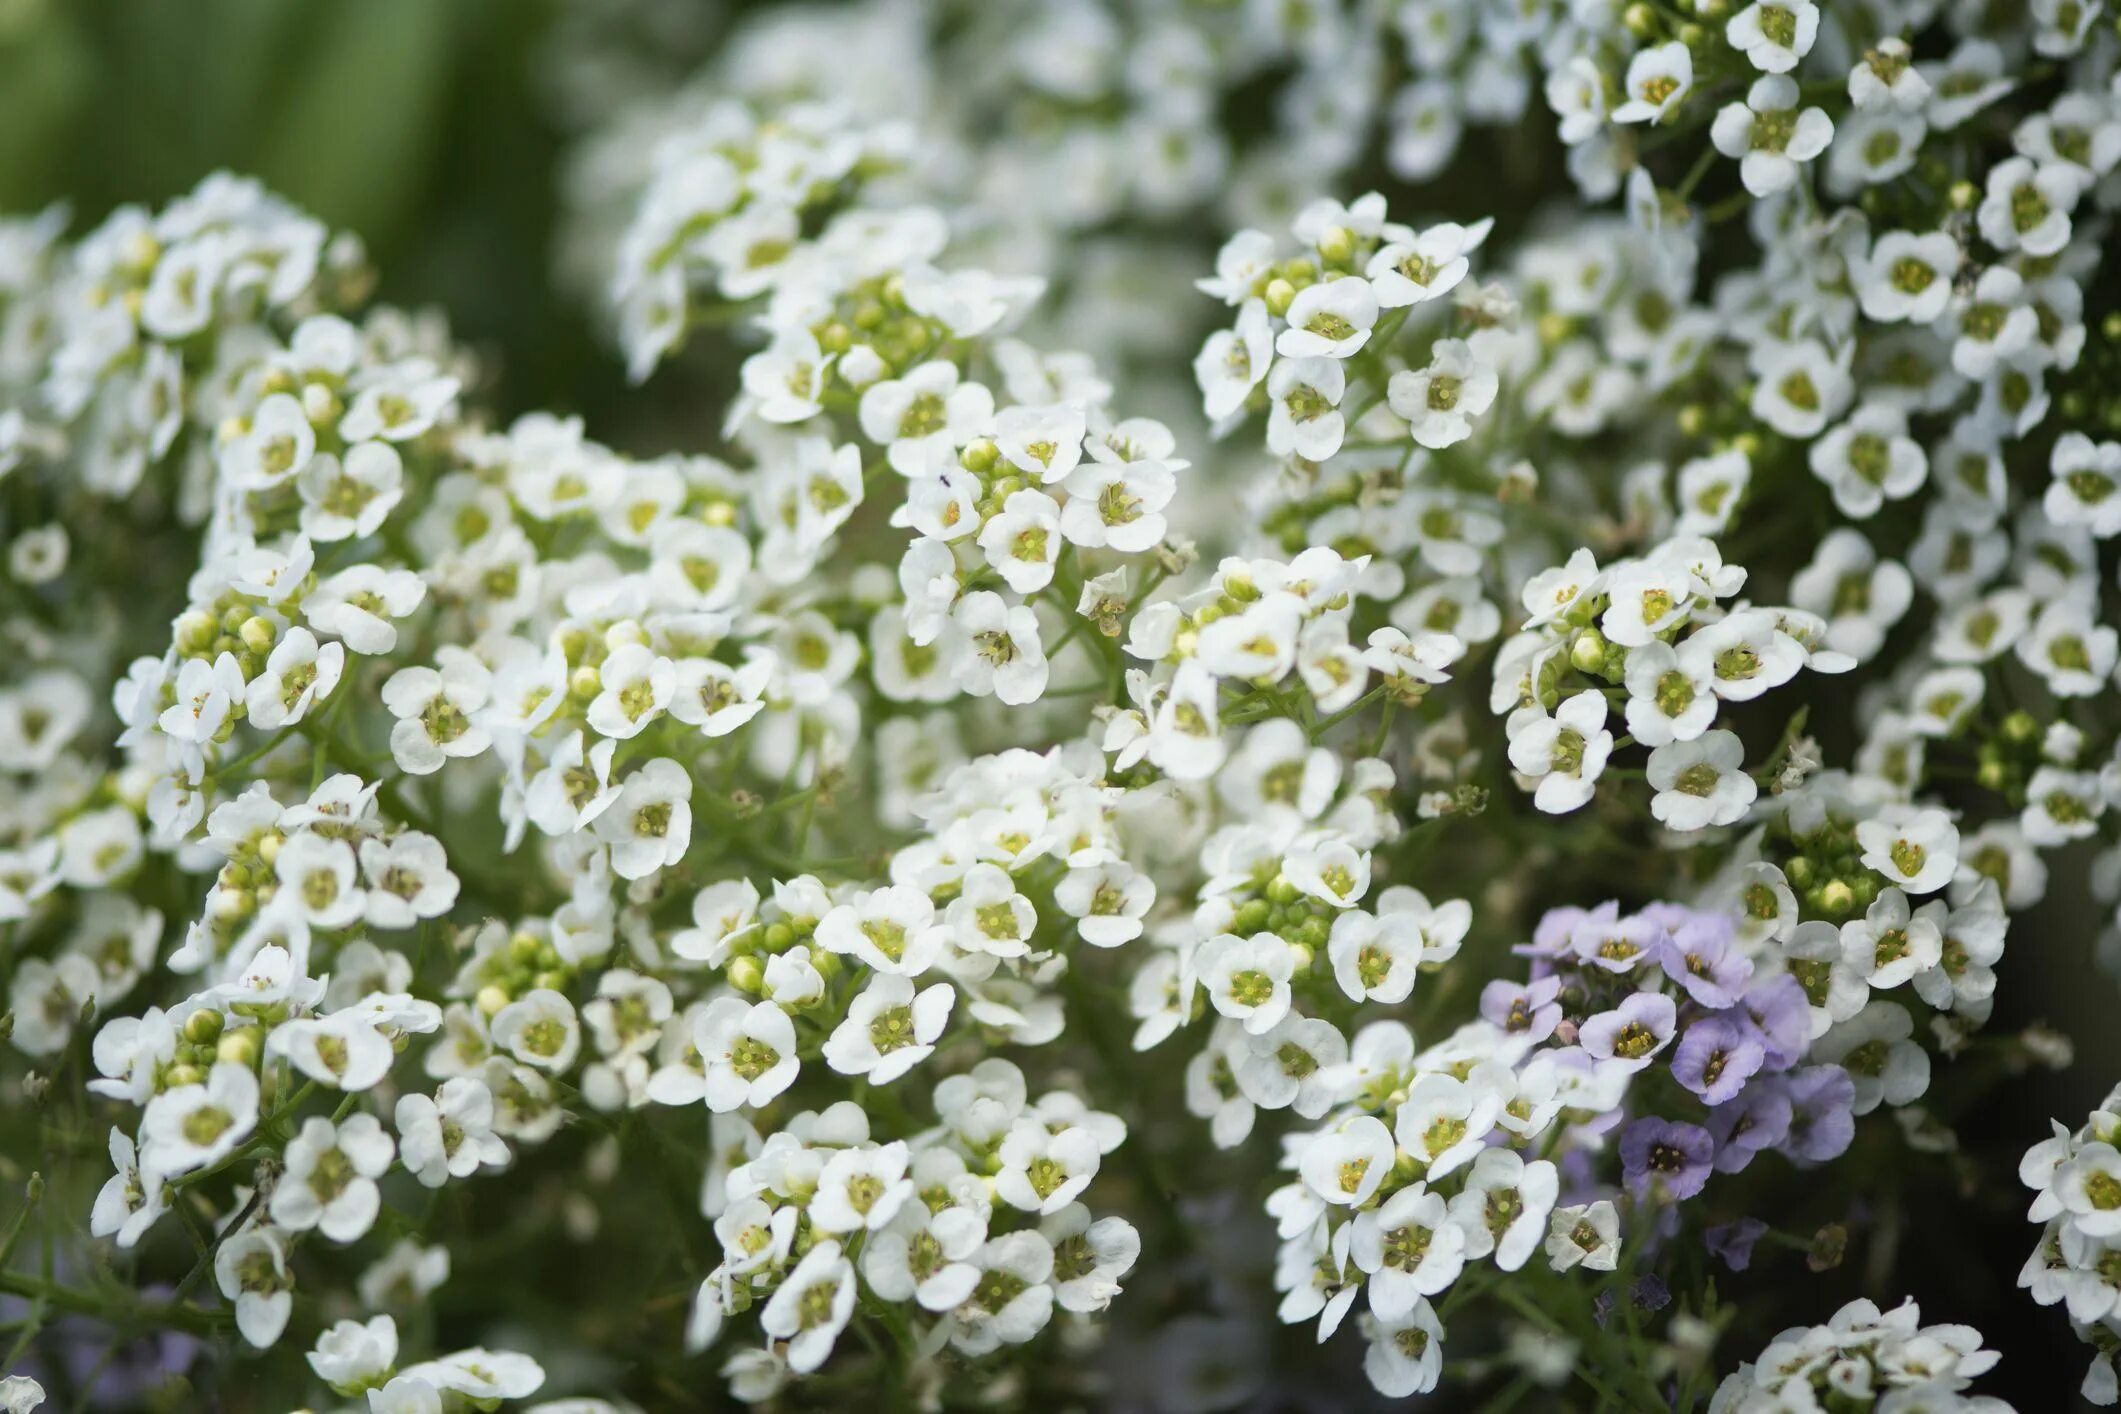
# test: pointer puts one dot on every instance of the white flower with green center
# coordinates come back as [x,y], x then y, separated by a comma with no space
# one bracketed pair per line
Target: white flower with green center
[786,381]
[354,1357]
[345,1051]
[1877,1048]
[1769,134]
[1043,442]
[1404,1357]
[1700,783]
[437,711]
[2086,485]
[539,1029]
[1439,401]
[1331,319]
[250,1268]
[861,1189]
[1013,1299]
[892,930]
[2069,648]
[748,1050]
[2027,206]
[1023,541]
[298,673]
[317,880]
[1892,943]
[1445,1121]
[1089,1257]
[1304,418]
[1584,1235]
[1345,1165]
[1233,362]
[812,1306]
[330,1182]
[1295,1065]
[1774,34]
[925,1257]
[451,1134]
[1917,848]
[1563,753]
[1000,651]
[649,827]
[1409,1247]
[1375,957]
[1658,81]
[1908,276]
[349,496]
[926,417]
[1247,979]
[889,1028]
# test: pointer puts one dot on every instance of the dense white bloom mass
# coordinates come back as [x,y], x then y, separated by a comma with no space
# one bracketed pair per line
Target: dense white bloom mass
[808,845]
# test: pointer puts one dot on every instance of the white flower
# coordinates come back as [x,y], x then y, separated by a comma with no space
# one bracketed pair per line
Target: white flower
[345,1050]
[649,827]
[131,1200]
[539,1029]
[1586,1235]
[1870,459]
[1700,783]
[330,1183]
[925,417]
[637,686]
[1409,1247]
[861,1189]
[749,1051]
[299,673]
[889,1028]
[1331,319]
[1798,386]
[1404,1356]
[1908,276]
[1345,1165]
[1247,979]
[1089,1257]
[1003,657]
[436,712]
[450,1135]
[1013,1298]
[1659,79]
[1233,361]
[1891,944]
[1413,268]
[408,879]
[2086,489]
[1023,540]
[350,496]
[1565,752]
[207,691]
[250,1268]
[1504,1205]
[812,1306]
[188,1127]
[989,916]
[353,1357]
[1043,1171]
[1774,34]
[1874,1047]
[1768,132]
[1304,418]
[1917,849]
[1440,401]
[1044,441]
[2027,206]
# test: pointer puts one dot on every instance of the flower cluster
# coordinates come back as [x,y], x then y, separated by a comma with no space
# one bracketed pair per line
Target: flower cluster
[1864,1358]
[2076,1179]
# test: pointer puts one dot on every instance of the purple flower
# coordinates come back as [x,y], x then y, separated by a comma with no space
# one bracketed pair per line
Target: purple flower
[1663,1158]
[1756,1121]
[1632,1033]
[1716,1056]
[1550,937]
[1822,1113]
[1701,956]
[1529,1012]
[1783,1014]
[1604,939]
[1733,1242]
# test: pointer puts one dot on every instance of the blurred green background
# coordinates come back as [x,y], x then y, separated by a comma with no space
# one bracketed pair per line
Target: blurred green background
[427,126]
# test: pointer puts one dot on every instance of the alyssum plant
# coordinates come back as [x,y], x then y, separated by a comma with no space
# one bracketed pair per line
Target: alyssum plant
[789,839]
